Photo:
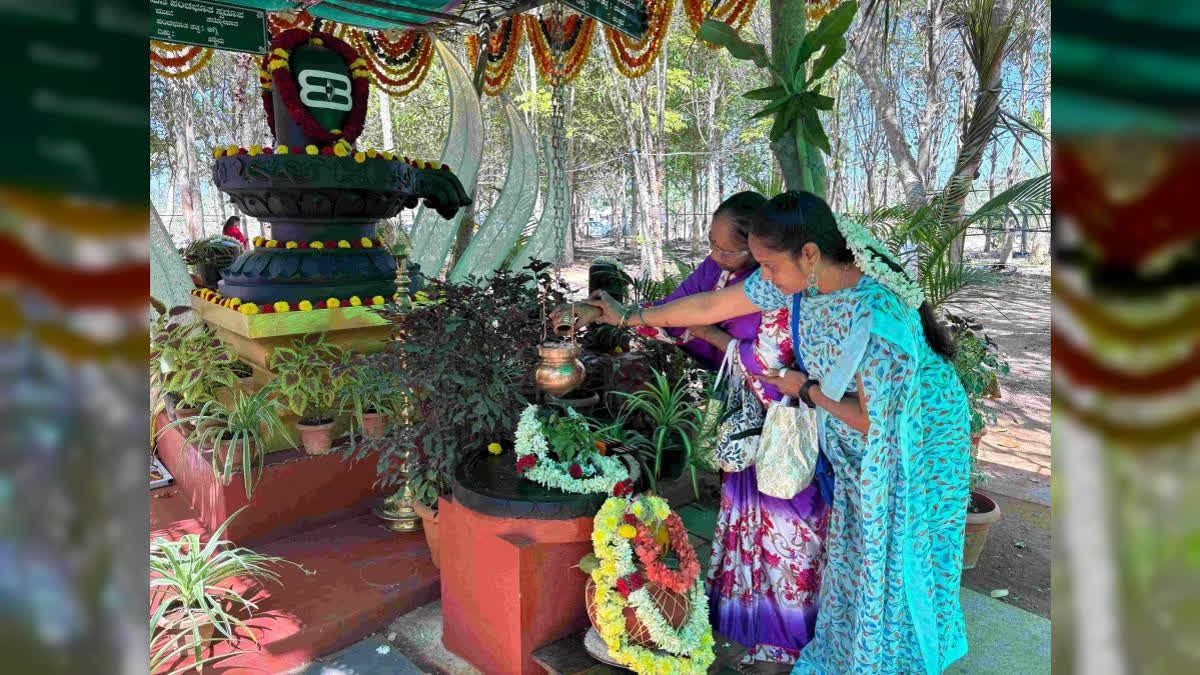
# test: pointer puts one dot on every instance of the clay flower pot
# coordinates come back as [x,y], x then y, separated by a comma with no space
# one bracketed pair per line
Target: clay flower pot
[373,424]
[674,607]
[316,438]
[429,521]
[978,525]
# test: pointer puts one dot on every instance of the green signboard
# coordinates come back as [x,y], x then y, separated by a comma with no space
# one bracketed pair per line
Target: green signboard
[209,24]
[624,15]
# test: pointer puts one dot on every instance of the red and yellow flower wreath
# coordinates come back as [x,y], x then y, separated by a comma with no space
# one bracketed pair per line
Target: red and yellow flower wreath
[735,14]
[503,46]
[277,68]
[177,61]
[634,57]
[576,42]
[398,65]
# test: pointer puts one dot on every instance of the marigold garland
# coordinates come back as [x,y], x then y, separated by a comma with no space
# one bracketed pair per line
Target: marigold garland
[633,58]
[282,306]
[398,67]
[734,13]
[602,474]
[177,61]
[503,46]
[278,22]
[576,42]
[277,64]
[619,584]
[647,548]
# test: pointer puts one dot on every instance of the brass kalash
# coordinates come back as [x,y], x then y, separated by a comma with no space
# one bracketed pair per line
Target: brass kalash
[560,371]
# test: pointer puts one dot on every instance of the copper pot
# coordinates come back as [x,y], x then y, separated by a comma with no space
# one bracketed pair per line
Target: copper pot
[560,370]
[577,314]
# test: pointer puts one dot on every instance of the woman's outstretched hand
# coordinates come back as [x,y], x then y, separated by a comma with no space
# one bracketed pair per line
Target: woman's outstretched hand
[610,309]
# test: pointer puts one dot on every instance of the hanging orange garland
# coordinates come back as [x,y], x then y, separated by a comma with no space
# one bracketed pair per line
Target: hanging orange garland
[503,46]
[576,43]
[277,22]
[177,61]
[634,57]
[398,63]
[734,13]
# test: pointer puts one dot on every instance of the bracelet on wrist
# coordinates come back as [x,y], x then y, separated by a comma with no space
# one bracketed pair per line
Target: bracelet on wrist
[625,313]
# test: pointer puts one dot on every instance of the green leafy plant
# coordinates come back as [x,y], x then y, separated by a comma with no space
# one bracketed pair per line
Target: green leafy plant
[304,382]
[674,419]
[646,289]
[567,435]
[461,355]
[186,578]
[239,429]
[978,364]
[362,389]
[796,97]
[216,249]
[190,362]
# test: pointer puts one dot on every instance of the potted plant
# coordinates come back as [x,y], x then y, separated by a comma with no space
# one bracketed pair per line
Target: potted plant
[979,365]
[239,430]
[671,417]
[208,257]
[188,579]
[306,387]
[192,364]
[367,394]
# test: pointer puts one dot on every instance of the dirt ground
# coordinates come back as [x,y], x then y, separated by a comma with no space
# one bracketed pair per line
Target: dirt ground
[1016,449]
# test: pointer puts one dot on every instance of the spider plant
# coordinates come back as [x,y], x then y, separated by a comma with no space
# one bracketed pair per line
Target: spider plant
[240,428]
[674,417]
[186,579]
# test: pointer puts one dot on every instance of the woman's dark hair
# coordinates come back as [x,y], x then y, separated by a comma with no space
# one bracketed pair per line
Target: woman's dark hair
[788,221]
[741,208]
[231,220]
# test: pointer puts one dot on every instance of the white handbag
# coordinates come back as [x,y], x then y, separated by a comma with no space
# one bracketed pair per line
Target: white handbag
[787,450]
[741,421]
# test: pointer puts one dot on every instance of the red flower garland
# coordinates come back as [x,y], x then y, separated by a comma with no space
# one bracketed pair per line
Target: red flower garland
[646,49]
[735,14]
[526,462]
[577,31]
[397,81]
[285,83]
[503,46]
[646,549]
[277,22]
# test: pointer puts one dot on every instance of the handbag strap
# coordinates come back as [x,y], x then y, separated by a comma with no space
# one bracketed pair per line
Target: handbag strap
[728,364]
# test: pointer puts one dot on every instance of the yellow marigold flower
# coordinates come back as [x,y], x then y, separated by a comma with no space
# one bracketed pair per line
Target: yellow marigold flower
[336,132]
[311,149]
[272,243]
[305,306]
[316,244]
[340,150]
[627,531]
[217,152]
[254,150]
[371,152]
[361,74]
[357,63]
[281,150]
[388,156]
[420,163]
[377,300]
[342,243]
[280,52]
[435,165]
[366,242]
[495,448]
[618,350]
[360,157]
[276,64]
[248,308]
[355,302]
[234,302]
[333,303]
[258,241]
[281,306]
[291,244]
[316,41]
[231,150]
[638,510]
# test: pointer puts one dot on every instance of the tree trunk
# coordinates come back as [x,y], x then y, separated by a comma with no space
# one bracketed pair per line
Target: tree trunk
[867,63]
[189,196]
[926,131]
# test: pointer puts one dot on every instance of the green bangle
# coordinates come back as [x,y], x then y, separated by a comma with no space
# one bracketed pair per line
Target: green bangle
[625,316]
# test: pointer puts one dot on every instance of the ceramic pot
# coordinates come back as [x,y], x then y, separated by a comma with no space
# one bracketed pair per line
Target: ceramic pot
[560,370]
[429,521]
[316,438]
[674,607]
[978,525]
[373,424]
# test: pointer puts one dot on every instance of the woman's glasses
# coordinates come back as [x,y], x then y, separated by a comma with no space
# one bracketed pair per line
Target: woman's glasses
[717,250]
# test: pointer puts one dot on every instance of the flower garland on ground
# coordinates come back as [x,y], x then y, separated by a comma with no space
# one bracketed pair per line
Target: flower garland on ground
[735,14]
[633,58]
[177,61]
[398,67]
[278,64]
[249,308]
[872,257]
[576,43]
[619,584]
[596,473]
[503,47]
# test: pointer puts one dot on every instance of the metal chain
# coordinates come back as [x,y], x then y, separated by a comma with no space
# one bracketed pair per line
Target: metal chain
[558,136]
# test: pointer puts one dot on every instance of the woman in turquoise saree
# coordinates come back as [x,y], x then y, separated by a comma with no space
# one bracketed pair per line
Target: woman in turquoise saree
[892,419]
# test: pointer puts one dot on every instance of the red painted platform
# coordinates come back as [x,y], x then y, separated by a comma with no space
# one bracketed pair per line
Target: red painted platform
[509,586]
[363,576]
[296,492]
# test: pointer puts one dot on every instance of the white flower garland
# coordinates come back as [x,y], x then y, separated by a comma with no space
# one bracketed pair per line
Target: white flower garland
[530,440]
[687,638]
[866,249]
